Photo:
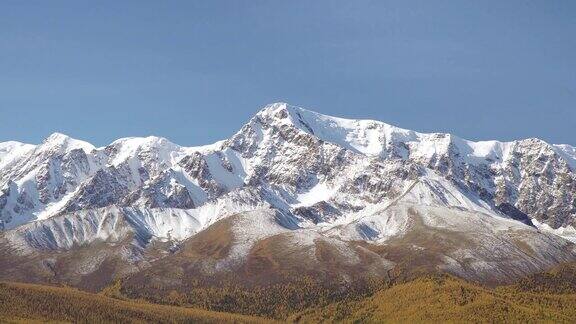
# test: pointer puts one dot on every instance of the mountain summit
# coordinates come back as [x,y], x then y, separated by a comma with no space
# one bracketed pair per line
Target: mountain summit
[332,195]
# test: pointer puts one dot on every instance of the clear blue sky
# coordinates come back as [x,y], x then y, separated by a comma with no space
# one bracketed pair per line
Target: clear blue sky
[195,71]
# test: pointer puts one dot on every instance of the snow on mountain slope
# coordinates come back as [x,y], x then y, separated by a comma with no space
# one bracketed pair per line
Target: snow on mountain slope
[568,153]
[9,151]
[319,170]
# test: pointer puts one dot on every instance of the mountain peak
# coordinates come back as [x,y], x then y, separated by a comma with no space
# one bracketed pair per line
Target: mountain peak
[143,141]
[130,147]
[361,135]
[278,111]
[273,107]
[57,137]
[66,143]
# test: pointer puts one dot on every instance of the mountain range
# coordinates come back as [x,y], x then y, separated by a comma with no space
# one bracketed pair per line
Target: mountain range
[292,195]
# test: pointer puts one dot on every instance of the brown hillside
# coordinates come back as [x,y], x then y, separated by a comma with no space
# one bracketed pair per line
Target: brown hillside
[19,302]
[447,299]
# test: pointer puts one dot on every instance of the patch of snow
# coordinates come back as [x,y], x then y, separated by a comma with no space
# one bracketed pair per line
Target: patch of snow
[197,194]
[320,192]
[223,176]
[568,153]
[53,208]
[568,232]
[480,152]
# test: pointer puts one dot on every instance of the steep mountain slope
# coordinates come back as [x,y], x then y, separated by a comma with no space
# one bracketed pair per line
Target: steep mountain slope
[290,178]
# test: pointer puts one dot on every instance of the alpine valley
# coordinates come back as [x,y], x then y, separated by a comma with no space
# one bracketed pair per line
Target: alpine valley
[296,210]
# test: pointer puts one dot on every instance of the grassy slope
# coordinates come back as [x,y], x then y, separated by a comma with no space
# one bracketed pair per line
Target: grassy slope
[34,302]
[448,299]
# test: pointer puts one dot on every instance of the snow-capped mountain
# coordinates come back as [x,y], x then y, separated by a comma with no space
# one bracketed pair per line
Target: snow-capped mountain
[296,173]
